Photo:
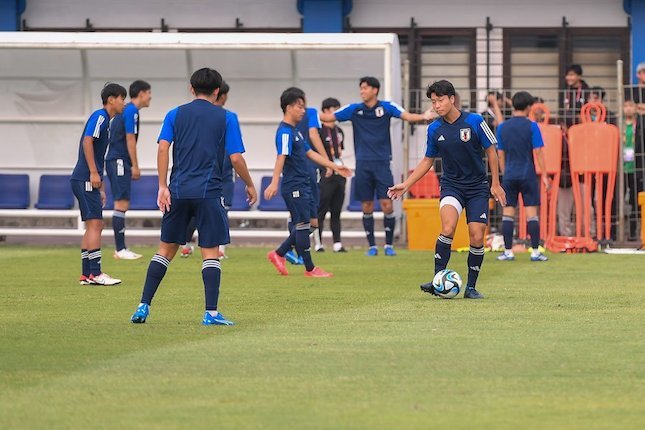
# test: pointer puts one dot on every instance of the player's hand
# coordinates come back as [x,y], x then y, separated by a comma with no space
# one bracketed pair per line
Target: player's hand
[492,99]
[498,193]
[328,172]
[136,173]
[251,195]
[395,192]
[271,191]
[344,171]
[95,179]
[103,198]
[163,199]
[546,181]
[429,115]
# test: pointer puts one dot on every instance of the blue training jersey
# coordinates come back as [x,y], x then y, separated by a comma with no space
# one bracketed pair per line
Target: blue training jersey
[290,142]
[309,121]
[518,137]
[459,145]
[96,127]
[371,128]
[121,125]
[201,137]
[232,127]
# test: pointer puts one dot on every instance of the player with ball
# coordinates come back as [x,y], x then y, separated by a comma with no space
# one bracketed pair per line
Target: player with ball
[458,138]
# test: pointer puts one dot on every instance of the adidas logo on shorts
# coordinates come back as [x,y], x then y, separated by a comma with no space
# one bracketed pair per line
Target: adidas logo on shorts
[483,216]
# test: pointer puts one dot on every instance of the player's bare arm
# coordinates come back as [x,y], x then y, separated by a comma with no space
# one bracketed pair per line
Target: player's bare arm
[239,164]
[88,150]
[163,159]
[496,189]
[418,117]
[131,142]
[272,189]
[397,191]
[539,154]
[322,161]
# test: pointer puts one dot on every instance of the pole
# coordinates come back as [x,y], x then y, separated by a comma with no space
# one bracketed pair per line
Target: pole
[621,172]
[406,138]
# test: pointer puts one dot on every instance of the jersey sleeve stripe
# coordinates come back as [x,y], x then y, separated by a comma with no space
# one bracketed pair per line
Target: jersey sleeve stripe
[488,132]
[285,144]
[97,129]
[397,106]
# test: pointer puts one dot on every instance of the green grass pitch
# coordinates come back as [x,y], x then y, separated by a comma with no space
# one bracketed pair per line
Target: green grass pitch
[554,345]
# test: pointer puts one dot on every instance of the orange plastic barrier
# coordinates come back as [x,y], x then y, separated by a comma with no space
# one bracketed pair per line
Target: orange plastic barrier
[593,154]
[425,188]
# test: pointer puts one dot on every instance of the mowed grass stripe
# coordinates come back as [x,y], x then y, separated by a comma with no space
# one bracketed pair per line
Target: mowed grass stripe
[361,352]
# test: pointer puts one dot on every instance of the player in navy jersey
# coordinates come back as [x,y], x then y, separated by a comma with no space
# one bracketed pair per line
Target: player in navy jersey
[308,126]
[458,138]
[201,137]
[227,177]
[291,162]
[87,183]
[518,139]
[373,148]
[122,163]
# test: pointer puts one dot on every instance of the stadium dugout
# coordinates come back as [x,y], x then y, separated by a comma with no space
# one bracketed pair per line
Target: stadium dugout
[52,81]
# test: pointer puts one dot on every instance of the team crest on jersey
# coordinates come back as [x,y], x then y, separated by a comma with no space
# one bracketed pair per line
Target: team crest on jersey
[464,134]
[379,111]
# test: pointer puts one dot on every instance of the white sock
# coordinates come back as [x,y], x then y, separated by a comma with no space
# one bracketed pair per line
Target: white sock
[222,249]
[535,252]
[337,246]
[317,241]
[387,246]
[509,252]
[213,313]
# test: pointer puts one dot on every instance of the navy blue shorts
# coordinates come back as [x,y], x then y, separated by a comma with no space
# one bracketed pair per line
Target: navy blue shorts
[314,201]
[120,174]
[89,199]
[473,199]
[530,189]
[210,220]
[372,178]
[299,205]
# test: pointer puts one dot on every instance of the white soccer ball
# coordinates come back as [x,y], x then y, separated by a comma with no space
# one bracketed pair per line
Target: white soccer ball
[447,283]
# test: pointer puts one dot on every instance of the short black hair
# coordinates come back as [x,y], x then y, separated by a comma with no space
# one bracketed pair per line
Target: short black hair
[575,68]
[137,86]
[330,102]
[522,100]
[370,81]
[112,90]
[205,81]
[600,91]
[223,90]
[290,96]
[441,88]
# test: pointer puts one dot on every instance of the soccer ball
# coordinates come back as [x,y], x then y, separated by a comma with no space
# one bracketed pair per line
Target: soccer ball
[447,283]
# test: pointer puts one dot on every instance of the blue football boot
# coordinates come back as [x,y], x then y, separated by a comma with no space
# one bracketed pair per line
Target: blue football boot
[218,319]
[372,251]
[140,315]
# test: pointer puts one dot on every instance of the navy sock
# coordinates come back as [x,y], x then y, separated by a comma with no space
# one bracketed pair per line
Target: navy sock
[156,271]
[533,228]
[118,225]
[211,275]
[475,260]
[287,244]
[368,225]
[303,246]
[85,263]
[94,261]
[389,222]
[442,253]
[508,226]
